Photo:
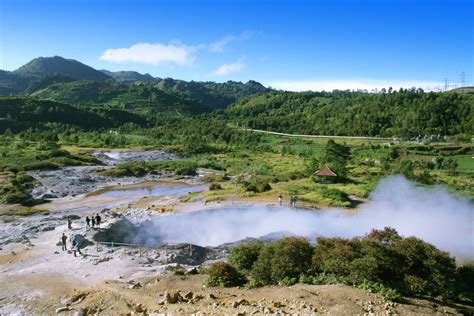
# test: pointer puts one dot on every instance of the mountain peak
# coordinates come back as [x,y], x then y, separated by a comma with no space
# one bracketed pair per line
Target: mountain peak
[50,66]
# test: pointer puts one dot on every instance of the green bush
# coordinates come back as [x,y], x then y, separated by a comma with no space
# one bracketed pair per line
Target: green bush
[261,268]
[41,165]
[379,288]
[224,275]
[244,256]
[334,194]
[15,197]
[465,281]
[215,187]
[291,258]
[320,279]
[382,262]
[188,170]
[129,169]
[334,255]
[257,185]
[427,270]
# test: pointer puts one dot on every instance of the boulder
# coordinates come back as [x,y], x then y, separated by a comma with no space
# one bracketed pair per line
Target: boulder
[81,241]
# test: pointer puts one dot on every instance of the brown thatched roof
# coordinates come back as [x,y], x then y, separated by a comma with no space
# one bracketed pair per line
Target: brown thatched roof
[325,172]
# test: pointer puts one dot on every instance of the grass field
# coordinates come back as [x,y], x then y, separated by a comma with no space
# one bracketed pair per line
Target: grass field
[277,165]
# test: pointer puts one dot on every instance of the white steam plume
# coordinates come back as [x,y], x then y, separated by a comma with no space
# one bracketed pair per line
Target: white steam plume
[434,215]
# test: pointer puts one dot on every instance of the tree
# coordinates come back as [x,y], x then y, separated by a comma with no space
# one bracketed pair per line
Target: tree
[336,156]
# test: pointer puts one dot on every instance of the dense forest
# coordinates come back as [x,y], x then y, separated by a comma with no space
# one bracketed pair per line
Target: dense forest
[393,113]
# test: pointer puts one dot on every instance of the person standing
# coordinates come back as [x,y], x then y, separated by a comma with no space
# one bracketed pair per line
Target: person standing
[97,220]
[294,201]
[63,241]
[69,222]
[280,200]
[88,221]
[93,221]
[75,247]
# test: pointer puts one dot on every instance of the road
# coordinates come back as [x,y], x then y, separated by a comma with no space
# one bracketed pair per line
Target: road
[320,136]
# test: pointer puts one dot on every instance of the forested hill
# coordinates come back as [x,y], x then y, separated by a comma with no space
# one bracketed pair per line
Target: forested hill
[167,94]
[68,80]
[400,113]
[129,77]
[20,113]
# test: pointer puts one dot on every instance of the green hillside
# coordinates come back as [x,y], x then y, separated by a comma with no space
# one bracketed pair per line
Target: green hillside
[129,77]
[395,113]
[21,113]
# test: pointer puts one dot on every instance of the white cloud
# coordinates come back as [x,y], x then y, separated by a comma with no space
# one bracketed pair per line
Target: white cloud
[174,52]
[153,54]
[226,69]
[355,84]
[218,46]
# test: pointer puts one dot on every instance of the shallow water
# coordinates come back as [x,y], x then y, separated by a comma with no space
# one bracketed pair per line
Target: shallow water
[152,190]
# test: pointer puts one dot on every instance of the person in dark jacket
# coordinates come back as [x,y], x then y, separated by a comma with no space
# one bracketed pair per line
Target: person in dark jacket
[98,219]
[63,241]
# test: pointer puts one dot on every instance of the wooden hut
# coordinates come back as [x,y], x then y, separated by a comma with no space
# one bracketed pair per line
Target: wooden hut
[325,172]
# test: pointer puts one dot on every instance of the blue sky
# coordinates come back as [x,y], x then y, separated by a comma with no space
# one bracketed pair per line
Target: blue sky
[296,45]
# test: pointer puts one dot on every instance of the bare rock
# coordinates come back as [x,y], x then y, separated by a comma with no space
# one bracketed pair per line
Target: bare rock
[62,309]
[212,296]
[139,308]
[189,295]
[80,312]
[242,302]
[171,298]
[135,286]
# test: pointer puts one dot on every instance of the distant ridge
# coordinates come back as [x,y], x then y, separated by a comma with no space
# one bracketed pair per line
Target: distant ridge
[129,77]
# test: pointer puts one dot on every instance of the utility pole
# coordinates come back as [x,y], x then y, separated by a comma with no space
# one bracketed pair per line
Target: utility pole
[463,79]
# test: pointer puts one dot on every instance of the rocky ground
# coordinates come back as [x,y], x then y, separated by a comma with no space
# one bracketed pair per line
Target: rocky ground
[72,181]
[37,277]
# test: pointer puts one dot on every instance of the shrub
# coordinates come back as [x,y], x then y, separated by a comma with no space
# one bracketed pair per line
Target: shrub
[334,255]
[465,277]
[215,187]
[379,288]
[257,185]
[334,194]
[15,197]
[244,256]
[23,178]
[261,269]
[179,271]
[186,170]
[224,275]
[424,262]
[291,258]
[465,281]
[128,169]
[287,281]
[380,262]
[41,165]
[320,279]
